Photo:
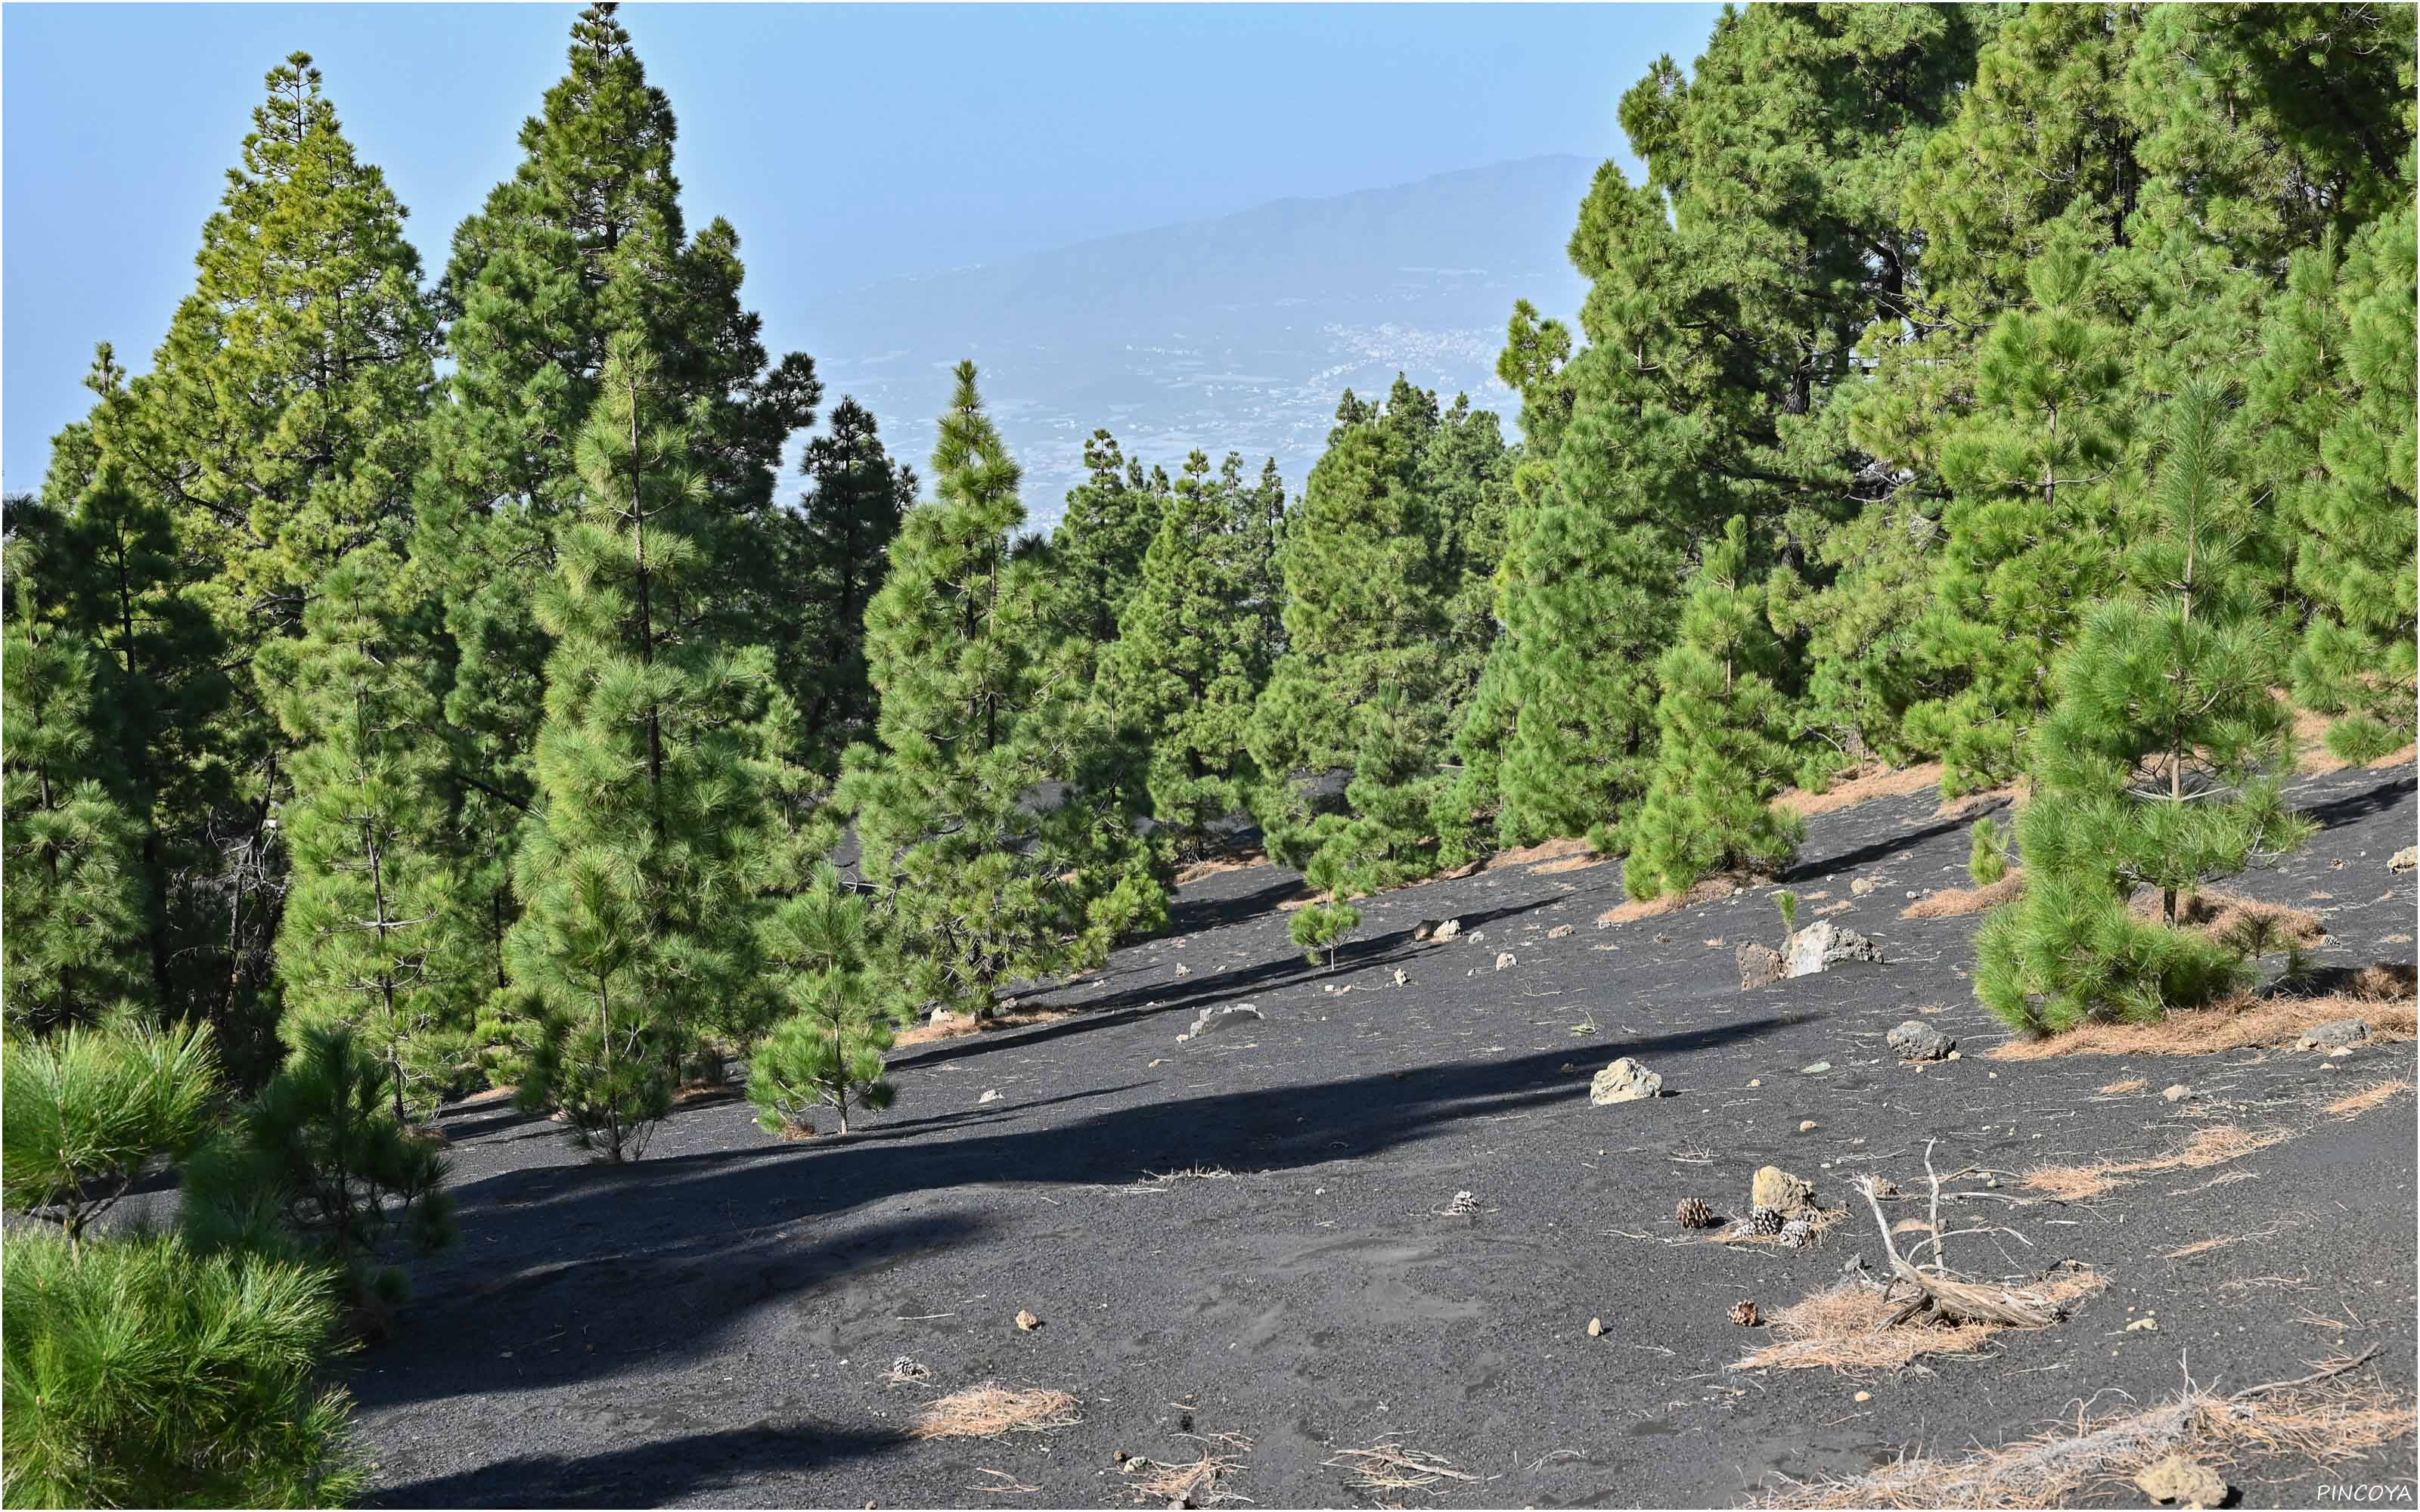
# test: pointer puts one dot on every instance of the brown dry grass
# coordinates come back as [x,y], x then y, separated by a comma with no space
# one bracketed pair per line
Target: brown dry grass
[1842,1328]
[2325,1426]
[1388,1465]
[2119,1089]
[1568,863]
[1218,865]
[2214,1146]
[1874,783]
[2218,915]
[990,1409]
[2311,755]
[957,1025]
[1704,892]
[2241,1024]
[1952,902]
[1194,1483]
[1550,850]
[1972,805]
[2357,1103]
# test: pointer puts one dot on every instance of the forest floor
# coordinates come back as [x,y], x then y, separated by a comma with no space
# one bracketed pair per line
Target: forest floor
[1383,1217]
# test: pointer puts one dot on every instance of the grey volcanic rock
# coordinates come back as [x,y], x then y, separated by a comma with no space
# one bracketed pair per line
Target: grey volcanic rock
[1916,1040]
[1223,1016]
[1822,945]
[1759,965]
[2335,1035]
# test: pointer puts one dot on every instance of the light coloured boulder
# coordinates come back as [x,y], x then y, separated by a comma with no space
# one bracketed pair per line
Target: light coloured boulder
[1824,945]
[1624,1081]
[1780,1191]
[2336,1034]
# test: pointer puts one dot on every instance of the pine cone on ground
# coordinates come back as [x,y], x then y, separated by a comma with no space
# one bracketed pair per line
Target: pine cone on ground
[1694,1213]
[1765,1221]
[1795,1232]
[1744,1313]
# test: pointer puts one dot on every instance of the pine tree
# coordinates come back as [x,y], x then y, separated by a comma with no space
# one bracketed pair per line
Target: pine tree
[71,945]
[1098,545]
[1371,679]
[2161,767]
[841,541]
[288,396]
[321,1167]
[1718,765]
[1188,659]
[372,939]
[99,565]
[587,240]
[2034,472]
[1589,598]
[75,910]
[979,707]
[278,428]
[637,877]
[829,1052]
[2335,386]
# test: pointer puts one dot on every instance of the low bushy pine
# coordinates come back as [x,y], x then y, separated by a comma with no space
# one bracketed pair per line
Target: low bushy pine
[829,1052]
[2160,766]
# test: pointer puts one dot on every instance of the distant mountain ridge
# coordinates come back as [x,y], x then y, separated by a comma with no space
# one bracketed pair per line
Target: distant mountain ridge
[1237,332]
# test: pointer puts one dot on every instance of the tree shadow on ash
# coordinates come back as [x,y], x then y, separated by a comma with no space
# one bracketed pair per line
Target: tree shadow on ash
[1187,916]
[1156,999]
[582,1241]
[648,1473]
[2351,808]
[1879,850]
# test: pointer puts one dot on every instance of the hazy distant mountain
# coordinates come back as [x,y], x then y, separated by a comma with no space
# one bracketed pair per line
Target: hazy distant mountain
[1237,333]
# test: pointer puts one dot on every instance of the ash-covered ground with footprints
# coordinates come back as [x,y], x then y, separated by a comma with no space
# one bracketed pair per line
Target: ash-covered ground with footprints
[1389,1214]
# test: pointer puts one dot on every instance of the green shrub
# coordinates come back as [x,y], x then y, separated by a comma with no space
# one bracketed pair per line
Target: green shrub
[141,1373]
[318,1167]
[829,1050]
[1987,862]
[86,1111]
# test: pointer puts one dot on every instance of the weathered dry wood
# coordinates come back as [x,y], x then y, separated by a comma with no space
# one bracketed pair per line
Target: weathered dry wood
[1944,1296]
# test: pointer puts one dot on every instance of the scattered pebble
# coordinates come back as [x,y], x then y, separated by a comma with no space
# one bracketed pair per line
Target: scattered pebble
[1596,1328]
[1026,1321]
[1863,1397]
[1504,958]
[2144,1325]
[1806,1126]
[1819,1067]
[2178,1092]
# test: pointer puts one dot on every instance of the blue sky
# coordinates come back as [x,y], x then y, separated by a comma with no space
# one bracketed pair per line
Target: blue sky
[845,143]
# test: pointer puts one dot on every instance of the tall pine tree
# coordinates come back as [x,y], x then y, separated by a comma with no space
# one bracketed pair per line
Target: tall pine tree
[980,707]
[373,941]
[1189,657]
[1717,762]
[2336,385]
[840,541]
[2035,474]
[585,240]
[638,875]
